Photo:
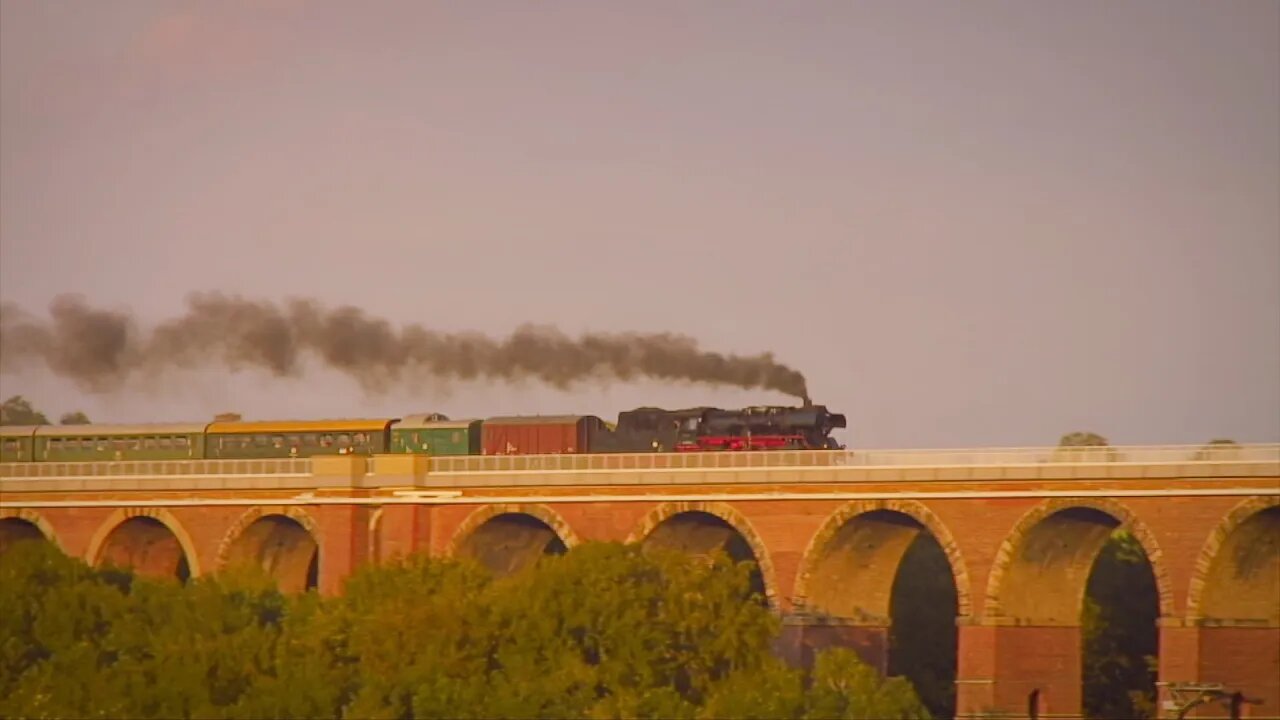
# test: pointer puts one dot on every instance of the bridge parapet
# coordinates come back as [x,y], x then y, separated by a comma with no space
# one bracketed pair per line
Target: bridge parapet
[296,467]
[996,466]
[944,458]
[981,457]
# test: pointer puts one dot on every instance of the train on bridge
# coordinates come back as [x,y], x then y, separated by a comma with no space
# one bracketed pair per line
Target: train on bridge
[702,429]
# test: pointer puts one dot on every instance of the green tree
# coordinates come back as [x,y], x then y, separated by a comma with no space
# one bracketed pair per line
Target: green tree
[771,692]
[1218,449]
[82,642]
[74,418]
[642,623]
[844,687]
[312,672]
[1082,439]
[1084,447]
[17,410]
[605,631]
[419,639]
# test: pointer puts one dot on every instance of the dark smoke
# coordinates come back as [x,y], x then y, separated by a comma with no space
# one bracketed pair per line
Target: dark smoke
[102,349]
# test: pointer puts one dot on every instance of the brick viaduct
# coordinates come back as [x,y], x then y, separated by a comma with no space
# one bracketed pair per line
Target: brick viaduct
[1020,529]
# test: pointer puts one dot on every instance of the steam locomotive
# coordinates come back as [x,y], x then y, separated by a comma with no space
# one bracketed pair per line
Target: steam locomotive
[707,429]
[643,430]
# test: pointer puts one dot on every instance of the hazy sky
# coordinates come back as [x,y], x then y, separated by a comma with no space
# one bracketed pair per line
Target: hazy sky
[978,223]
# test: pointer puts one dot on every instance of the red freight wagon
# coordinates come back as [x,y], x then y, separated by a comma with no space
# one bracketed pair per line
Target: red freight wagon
[539,435]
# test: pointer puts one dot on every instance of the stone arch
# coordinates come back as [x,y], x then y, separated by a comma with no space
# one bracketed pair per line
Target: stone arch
[258,511]
[913,509]
[1089,535]
[1257,516]
[507,537]
[296,563]
[33,519]
[730,515]
[98,544]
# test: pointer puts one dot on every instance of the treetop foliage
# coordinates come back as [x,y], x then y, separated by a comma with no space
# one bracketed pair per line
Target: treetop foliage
[17,410]
[1082,439]
[605,631]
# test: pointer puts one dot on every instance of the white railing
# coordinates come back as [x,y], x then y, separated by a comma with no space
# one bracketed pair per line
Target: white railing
[1144,454]
[156,468]
[497,464]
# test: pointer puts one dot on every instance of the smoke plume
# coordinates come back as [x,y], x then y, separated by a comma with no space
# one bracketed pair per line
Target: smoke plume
[102,349]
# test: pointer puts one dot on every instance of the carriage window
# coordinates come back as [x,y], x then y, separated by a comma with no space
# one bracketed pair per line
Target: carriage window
[55,444]
[166,443]
[326,440]
[181,442]
[344,440]
[261,440]
[119,443]
[293,440]
[310,439]
[359,439]
[87,444]
[150,443]
[11,446]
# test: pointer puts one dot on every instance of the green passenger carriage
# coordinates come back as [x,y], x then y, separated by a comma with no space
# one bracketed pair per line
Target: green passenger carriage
[89,443]
[434,434]
[16,442]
